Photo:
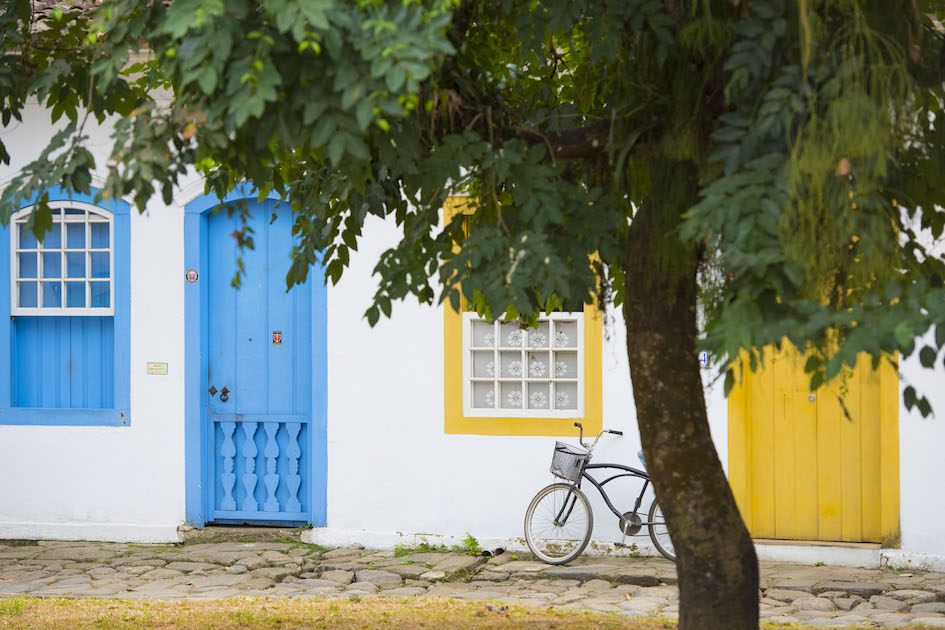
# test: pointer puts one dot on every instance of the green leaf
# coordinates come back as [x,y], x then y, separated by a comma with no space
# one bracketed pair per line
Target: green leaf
[817,380]
[909,397]
[813,362]
[395,78]
[335,269]
[350,239]
[372,316]
[336,148]
[363,113]
[927,356]
[42,221]
[207,79]
[903,334]
[729,381]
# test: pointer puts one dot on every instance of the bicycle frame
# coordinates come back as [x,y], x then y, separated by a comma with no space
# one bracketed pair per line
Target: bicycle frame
[626,471]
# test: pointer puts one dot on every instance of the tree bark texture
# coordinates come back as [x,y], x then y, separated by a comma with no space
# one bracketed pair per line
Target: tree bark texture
[716,562]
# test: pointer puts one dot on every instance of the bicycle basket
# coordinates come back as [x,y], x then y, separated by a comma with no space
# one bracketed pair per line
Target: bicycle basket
[567,461]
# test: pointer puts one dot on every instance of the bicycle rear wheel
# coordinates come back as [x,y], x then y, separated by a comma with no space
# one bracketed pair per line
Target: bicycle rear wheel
[659,534]
[558,543]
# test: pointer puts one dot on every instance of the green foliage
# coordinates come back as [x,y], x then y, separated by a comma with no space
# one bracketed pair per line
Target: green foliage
[470,546]
[402,550]
[804,134]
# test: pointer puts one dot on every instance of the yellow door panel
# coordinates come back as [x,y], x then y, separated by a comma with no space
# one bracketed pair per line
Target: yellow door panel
[829,464]
[784,447]
[816,465]
[762,470]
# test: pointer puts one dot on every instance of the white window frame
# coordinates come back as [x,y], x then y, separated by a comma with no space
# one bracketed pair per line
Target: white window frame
[468,318]
[15,250]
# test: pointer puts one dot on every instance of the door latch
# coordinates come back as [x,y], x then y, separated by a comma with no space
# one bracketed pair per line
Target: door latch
[224,394]
[213,391]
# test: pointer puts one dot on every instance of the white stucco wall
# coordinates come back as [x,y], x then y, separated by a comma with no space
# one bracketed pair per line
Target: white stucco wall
[922,467]
[391,467]
[108,483]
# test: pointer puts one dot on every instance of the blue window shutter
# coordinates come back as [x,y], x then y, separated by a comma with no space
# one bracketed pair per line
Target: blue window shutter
[61,370]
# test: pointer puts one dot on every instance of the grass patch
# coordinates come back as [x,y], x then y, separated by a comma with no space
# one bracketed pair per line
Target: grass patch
[24,612]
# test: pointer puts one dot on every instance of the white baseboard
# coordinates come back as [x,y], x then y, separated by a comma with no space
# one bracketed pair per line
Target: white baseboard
[912,560]
[815,554]
[343,537]
[99,532]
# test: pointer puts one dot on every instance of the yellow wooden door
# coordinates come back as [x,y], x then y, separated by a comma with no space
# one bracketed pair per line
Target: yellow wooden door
[800,468]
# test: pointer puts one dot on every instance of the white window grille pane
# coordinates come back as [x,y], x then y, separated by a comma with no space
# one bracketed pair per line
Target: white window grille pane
[52,295]
[99,264]
[27,240]
[538,366]
[53,238]
[511,364]
[75,236]
[484,395]
[484,364]
[26,294]
[75,265]
[539,396]
[75,294]
[66,277]
[483,334]
[99,235]
[526,382]
[52,265]
[100,294]
[510,335]
[28,265]
[566,396]
[565,333]
[538,338]
[510,396]
[566,364]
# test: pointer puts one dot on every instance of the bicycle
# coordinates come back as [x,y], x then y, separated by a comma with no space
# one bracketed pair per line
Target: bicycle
[559,520]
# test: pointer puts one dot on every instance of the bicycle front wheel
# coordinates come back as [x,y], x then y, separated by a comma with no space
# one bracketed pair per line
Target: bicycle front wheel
[659,533]
[558,524]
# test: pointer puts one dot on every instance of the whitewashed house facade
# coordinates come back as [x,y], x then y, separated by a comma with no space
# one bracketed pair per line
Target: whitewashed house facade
[139,392]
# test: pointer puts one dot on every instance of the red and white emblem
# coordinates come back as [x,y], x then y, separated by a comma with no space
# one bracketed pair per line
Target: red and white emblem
[277,337]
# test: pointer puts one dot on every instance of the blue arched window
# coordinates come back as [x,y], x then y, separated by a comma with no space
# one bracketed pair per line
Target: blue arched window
[64,318]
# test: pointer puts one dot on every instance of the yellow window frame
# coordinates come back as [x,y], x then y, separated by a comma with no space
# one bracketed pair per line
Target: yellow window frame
[458,423]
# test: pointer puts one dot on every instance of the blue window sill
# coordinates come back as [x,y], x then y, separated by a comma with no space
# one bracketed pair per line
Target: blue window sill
[65,417]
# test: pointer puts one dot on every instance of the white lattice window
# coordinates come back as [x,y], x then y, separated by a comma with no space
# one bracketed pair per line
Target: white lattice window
[533,373]
[72,271]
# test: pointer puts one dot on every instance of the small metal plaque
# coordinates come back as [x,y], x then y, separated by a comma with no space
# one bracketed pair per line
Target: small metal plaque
[277,337]
[191,276]
[158,369]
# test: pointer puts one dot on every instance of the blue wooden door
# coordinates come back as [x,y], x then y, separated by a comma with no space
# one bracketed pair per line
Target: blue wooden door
[259,403]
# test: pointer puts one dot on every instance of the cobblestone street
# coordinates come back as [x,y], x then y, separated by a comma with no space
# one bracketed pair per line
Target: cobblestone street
[791,593]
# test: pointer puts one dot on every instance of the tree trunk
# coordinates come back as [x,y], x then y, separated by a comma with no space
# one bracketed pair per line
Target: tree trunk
[716,562]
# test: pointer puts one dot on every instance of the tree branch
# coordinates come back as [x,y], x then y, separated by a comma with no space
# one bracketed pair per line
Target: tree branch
[573,143]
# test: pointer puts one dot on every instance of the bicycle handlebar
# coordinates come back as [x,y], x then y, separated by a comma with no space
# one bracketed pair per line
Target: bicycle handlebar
[591,447]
